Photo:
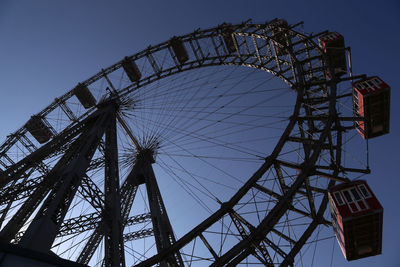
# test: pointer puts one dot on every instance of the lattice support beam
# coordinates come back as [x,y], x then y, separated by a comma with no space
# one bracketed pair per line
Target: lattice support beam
[128,192]
[138,235]
[79,224]
[260,250]
[90,221]
[44,227]
[92,193]
[162,228]
[26,210]
[90,246]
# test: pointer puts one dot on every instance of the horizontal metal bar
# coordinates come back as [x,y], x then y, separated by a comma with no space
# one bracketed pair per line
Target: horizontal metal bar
[318,173]
[325,118]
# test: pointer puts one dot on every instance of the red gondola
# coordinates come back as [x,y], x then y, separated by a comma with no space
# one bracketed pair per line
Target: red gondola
[333,46]
[371,100]
[357,218]
[38,129]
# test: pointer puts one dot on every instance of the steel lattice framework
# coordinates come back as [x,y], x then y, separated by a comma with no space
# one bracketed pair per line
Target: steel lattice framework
[39,183]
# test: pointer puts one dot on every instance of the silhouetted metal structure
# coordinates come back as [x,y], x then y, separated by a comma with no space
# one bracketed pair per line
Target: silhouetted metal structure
[61,161]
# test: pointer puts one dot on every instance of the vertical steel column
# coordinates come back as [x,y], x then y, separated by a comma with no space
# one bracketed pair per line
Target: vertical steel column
[162,228]
[43,230]
[114,243]
[128,192]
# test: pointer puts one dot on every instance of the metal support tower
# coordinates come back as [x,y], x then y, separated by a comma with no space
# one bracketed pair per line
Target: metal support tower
[114,243]
[62,183]
[163,233]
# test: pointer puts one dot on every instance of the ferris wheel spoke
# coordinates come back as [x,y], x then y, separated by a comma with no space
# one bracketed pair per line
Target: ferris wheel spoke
[308,232]
[268,222]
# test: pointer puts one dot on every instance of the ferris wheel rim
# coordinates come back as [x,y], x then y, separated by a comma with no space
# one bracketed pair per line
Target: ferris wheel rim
[215,31]
[210,32]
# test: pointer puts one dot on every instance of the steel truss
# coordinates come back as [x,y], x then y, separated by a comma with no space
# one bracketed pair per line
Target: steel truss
[315,125]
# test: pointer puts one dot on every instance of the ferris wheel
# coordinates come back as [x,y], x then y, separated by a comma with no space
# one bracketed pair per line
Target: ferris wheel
[218,147]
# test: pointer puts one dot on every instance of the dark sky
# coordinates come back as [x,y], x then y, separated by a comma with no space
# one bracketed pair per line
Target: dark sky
[47,47]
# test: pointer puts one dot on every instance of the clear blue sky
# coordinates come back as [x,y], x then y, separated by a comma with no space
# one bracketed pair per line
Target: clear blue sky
[47,47]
